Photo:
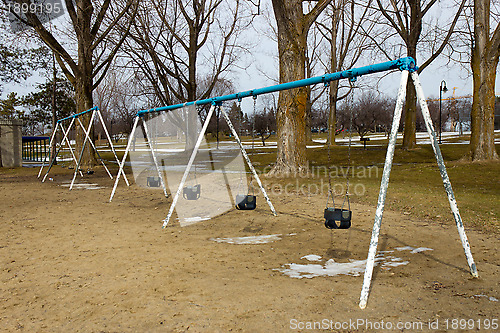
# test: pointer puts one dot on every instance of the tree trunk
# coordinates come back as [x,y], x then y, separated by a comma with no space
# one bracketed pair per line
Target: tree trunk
[83,85]
[410,125]
[484,62]
[84,101]
[291,113]
[410,128]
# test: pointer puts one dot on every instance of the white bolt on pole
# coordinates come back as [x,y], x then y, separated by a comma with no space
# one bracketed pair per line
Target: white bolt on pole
[247,159]
[83,149]
[59,149]
[444,174]
[155,160]
[50,147]
[111,143]
[122,163]
[95,148]
[190,163]
[370,261]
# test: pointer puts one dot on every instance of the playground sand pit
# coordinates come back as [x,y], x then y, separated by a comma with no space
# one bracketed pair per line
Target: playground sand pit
[71,261]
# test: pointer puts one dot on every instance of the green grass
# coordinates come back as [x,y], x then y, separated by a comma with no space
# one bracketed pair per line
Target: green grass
[415,186]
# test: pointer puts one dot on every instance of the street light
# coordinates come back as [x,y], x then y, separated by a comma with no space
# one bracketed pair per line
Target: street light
[441,90]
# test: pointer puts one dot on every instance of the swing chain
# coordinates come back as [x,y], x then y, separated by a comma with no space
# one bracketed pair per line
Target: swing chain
[253,141]
[351,106]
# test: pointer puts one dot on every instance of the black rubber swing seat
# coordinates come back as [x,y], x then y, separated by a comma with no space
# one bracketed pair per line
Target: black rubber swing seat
[246,202]
[191,192]
[153,181]
[343,216]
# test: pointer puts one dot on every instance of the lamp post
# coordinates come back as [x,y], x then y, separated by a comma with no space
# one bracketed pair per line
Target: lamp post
[441,90]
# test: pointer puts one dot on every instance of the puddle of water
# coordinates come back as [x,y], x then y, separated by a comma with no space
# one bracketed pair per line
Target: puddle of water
[312,257]
[85,186]
[490,298]
[248,240]
[352,268]
[414,250]
[192,220]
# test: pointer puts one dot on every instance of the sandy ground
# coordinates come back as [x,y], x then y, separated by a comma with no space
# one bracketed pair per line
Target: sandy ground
[70,261]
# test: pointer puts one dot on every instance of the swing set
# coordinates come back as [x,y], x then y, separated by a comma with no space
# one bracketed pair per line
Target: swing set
[335,217]
[74,123]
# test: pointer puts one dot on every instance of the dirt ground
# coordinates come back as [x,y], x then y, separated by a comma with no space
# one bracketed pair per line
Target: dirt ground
[71,261]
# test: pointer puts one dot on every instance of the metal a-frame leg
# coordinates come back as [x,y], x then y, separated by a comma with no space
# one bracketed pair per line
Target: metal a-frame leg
[61,145]
[87,132]
[370,261]
[71,150]
[444,174]
[155,160]
[188,168]
[249,163]
[95,148]
[122,163]
[385,182]
[111,143]
[50,145]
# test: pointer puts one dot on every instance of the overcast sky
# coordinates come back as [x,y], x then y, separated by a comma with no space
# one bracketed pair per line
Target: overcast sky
[263,70]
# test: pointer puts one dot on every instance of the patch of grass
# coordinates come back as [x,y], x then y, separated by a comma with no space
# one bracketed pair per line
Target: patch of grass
[415,186]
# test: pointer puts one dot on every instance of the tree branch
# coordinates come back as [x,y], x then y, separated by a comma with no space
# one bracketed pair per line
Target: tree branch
[314,13]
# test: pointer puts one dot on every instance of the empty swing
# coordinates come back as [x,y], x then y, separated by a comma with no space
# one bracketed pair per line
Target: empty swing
[192,192]
[247,201]
[340,218]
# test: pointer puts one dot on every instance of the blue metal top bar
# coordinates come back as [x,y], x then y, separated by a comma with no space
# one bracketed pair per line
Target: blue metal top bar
[95,108]
[407,64]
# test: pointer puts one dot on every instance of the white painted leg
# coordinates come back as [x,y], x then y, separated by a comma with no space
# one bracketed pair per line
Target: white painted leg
[53,137]
[71,149]
[249,163]
[190,163]
[155,160]
[95,148]
[370,261]
[65,137]
[444,174]
[83,149]
[111,144]
[120,170]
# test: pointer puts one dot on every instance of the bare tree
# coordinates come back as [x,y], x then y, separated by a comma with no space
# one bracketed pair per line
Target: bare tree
[93,28]
[293,26]
[119,97]
[406,19]
[263,121]
[176,44]
[346,30]
[366,114]
[484,63]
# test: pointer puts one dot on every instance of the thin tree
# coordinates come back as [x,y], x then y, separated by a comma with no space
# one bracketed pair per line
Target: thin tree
[484,63]
[406,19]
[175,44]
[93,27]
[293,27]
[347,35]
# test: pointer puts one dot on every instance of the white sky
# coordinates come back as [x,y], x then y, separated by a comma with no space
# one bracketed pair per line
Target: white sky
[263,60]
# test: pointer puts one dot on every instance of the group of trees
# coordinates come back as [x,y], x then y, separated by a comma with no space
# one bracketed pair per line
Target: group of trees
[131,54]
